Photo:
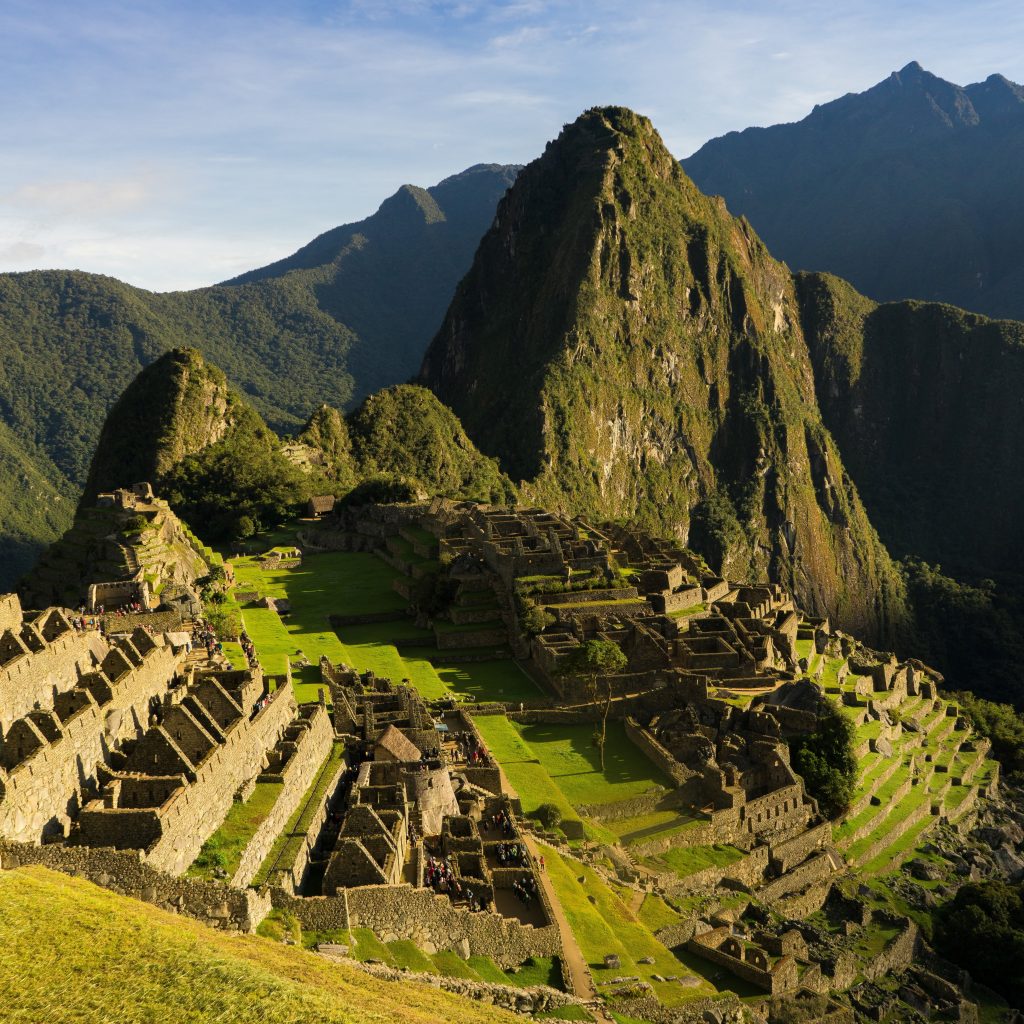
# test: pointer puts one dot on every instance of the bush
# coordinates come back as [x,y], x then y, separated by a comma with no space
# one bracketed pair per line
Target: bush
[549,816]
[982,929]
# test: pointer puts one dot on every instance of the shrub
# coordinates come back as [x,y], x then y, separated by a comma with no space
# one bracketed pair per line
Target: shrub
[549,816]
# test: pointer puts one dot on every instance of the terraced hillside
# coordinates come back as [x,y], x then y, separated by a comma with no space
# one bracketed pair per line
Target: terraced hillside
[919,765]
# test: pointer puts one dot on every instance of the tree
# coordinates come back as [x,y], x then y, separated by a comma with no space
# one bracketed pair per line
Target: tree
[826,761]
[594,659]
[982,929]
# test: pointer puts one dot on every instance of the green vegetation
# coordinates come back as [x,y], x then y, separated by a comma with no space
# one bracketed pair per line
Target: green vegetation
[352,316]
[405,431]
[603,924]
[688,860]
[225,847]
[558,765]
[982,929]
[141,963]
[826,761]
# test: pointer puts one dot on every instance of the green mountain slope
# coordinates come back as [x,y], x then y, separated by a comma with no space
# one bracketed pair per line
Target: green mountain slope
[35,508]
[348,314]
[143,964]
[405,431]
[628,349]
[926,402]
[910,190]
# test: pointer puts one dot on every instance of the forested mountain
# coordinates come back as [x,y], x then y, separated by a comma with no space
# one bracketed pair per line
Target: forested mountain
[628,349]
[910,190]
[346,315]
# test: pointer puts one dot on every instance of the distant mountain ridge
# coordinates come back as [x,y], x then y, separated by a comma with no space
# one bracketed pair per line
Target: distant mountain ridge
[290,336]
[910,189]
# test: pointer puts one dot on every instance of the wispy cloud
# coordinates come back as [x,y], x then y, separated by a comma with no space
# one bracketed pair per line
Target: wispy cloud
[269,123]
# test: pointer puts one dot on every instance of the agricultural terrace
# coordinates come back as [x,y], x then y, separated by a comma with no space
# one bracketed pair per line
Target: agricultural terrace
[359,583]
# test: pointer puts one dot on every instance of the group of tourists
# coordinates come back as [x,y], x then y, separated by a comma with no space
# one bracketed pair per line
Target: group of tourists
[526,890]
[84,622]
[203,635]
[511,853]
[502,820]
[439,876]
[248,649]
[469,749]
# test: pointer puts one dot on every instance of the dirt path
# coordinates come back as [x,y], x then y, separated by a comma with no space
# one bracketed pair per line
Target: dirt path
[579,972]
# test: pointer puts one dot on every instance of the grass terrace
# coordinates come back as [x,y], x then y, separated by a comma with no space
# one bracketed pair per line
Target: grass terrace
[359,583]
[688,860]
[288,844]
[602,924]
[225,847]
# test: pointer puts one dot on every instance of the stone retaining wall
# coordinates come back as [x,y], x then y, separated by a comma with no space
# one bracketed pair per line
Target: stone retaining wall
[422,916]
[656,752]
[123,871]
[314,745]
[535,999]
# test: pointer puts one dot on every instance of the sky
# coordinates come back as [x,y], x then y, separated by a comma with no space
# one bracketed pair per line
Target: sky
[175,144]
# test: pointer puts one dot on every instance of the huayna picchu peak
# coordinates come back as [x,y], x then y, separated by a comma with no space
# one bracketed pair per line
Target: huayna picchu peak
[625,347]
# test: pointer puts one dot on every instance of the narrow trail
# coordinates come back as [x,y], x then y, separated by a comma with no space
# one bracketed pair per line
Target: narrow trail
[572,956]
[575,963]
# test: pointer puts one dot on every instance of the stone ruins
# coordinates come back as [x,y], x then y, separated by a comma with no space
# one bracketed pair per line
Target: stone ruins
[123,754]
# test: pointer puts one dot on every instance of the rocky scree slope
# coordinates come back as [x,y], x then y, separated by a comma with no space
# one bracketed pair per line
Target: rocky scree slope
[626,348]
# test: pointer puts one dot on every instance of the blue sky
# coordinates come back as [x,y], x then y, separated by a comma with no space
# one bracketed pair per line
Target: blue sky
[174,144]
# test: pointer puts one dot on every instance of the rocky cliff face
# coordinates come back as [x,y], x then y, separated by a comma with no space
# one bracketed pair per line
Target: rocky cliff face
[626,348]
[177,406]
[926,402]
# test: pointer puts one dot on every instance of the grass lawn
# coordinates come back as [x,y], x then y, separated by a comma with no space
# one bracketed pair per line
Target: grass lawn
[75,953]
[225,847]
[603,924]
[570,757]
[356,583]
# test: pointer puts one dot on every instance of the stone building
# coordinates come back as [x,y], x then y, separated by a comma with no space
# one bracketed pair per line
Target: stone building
[69,701]
[180,780]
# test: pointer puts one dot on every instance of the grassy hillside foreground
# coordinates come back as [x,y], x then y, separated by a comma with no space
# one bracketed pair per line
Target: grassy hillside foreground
[72,952]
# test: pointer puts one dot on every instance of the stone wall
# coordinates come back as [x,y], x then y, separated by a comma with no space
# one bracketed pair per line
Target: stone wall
[434,924]
[38,676]
[787,854]
[656,752]
[314,744]
[41,792]
[197,810]
[123,871]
